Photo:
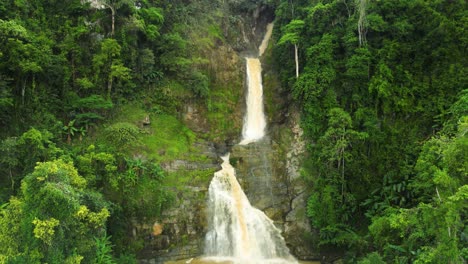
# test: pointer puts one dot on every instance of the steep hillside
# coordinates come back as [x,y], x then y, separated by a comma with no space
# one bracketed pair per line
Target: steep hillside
[113,115]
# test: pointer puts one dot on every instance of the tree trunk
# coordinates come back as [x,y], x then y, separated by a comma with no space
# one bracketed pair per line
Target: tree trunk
[342,178]
[23,90]
[109,86]
[12,181]
[73,68]
[113,21]
[296,58]
[112,8]
[292,8]
[362,22]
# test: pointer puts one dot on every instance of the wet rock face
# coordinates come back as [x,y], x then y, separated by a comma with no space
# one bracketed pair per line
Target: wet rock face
[297,230]
[246,35]
[260,171]
[179,232]
[268,172]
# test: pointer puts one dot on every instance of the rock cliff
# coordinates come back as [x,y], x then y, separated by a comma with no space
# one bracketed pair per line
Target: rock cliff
[268,171]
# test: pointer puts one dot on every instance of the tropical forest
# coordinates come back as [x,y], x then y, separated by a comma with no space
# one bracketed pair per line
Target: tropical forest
[233,131]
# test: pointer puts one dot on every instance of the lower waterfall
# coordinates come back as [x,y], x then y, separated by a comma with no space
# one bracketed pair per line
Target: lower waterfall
[238,232]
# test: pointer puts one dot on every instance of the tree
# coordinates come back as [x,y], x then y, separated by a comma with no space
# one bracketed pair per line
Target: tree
[292,32]
[337,139]
[114,5]
[56,216]
[108,62]
[320,73]
[9,159]
[362,30]
[91,109]
[70,130]
[11,29]
[440,186]
[98,168]
[153,18]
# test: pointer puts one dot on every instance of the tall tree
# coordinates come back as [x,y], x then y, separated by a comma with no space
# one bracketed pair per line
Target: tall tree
[108,63]
[114,5]
[292,33]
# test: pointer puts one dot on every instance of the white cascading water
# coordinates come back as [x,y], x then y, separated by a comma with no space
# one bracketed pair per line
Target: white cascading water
[254,120]
[239,233]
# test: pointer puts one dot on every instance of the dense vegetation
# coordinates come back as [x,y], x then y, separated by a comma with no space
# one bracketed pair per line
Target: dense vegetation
[382,88]
[381,85]
[78,81]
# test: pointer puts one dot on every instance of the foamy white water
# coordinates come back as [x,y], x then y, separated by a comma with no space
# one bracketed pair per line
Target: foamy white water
[239,232]
[254,120]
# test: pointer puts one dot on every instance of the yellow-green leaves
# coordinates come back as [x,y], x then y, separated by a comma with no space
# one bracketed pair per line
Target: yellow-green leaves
[95,220]
[74,259]
[11,29]
[57,208]
[58,170]
[44,229]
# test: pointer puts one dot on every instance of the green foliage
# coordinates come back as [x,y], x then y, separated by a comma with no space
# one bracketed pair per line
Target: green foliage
[372,111]
[383,103]
[11,214]
[331,207]
[292,32]
[53,207]
[456,113]
[127,259]
[168,136]
[317,78]
[148,195]
[44,229]
[372,258]
[410,233]
[70,130]
[103,251]
[122,135]
[223,101]
[11,29]
[20,155]
[93,102]
[97,167]
[321,207]
[153,18]
[65,67]
[107,65]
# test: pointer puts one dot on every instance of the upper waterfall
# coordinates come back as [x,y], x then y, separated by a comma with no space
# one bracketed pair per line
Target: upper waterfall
[266,39]
[254,120]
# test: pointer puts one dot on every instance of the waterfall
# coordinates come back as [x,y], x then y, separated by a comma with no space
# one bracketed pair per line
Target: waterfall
[238,232]
[254,120]
[265,40]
